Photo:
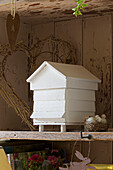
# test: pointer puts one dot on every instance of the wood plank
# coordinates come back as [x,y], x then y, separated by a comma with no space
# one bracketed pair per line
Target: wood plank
[81,84]
[28,8]
[50,95]
[54,136]
[79,94]
[97,58]
[3,2]
[81,106]
[50,106]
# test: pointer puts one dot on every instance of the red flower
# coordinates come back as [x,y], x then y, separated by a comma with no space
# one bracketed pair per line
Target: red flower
[28,159]
[36,158]
[52,159]
[15,156]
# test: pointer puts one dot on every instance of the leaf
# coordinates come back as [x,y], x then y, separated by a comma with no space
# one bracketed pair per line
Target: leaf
[79,13]
[84,5]
[74,9]
[80,1]
[75,13]
[80,7]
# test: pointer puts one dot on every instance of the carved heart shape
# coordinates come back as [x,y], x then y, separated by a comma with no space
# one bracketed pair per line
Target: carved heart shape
[12,25]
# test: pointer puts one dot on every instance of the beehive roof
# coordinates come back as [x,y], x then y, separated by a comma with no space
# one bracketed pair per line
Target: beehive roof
[68,70]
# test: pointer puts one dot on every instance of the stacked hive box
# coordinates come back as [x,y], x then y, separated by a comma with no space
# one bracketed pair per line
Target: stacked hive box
[64,94]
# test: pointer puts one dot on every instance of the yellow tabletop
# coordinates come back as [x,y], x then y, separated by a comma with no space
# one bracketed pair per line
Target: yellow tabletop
[101,166]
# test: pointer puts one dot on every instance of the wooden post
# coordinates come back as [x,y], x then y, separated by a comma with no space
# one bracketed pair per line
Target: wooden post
[63,128]
[41,128]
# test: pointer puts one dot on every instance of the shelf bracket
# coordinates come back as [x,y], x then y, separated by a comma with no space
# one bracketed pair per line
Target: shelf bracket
[87,136]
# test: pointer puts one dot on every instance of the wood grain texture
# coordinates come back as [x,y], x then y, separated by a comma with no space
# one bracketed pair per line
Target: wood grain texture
[97,58]
[55,136]
[9,120]
[49,10]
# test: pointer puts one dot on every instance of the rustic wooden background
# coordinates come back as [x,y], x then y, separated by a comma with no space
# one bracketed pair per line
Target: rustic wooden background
[92,38]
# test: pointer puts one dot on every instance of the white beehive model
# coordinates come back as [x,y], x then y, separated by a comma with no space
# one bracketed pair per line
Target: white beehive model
[64,94]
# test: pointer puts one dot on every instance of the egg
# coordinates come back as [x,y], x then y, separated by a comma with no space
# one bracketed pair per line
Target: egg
[91,120]
[98,118]
[103,116]
[104,121]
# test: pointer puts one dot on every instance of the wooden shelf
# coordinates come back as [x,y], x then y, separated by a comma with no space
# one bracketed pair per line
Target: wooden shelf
[54,136]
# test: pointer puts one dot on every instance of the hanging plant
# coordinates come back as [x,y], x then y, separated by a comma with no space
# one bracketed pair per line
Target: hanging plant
[80,7]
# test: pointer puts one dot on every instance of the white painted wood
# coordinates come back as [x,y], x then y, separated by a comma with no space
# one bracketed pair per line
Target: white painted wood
[49,106]
[53,75]
[46,114]
[81,84]
[37,122]
[51,120]
[46,95]
[80,94]
[48,122]
[63,94]
[74,105]
[70,118]
[47,79]
[63,128]
[41,128]
[44,65]
[77,116]
[75,71]
[65,70]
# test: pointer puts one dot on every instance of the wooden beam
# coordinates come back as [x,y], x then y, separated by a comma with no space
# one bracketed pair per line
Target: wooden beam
[3,2]
[54,136]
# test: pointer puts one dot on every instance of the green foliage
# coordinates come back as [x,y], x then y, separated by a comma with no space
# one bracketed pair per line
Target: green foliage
[80,7]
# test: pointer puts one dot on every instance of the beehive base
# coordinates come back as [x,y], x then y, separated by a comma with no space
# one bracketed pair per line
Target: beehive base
[62,128]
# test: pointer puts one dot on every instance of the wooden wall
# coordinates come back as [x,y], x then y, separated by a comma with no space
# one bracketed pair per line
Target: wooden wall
[16,74]
[92,38]
[97,58]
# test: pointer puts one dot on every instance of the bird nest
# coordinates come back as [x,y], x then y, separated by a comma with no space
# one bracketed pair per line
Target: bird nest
[95,127]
